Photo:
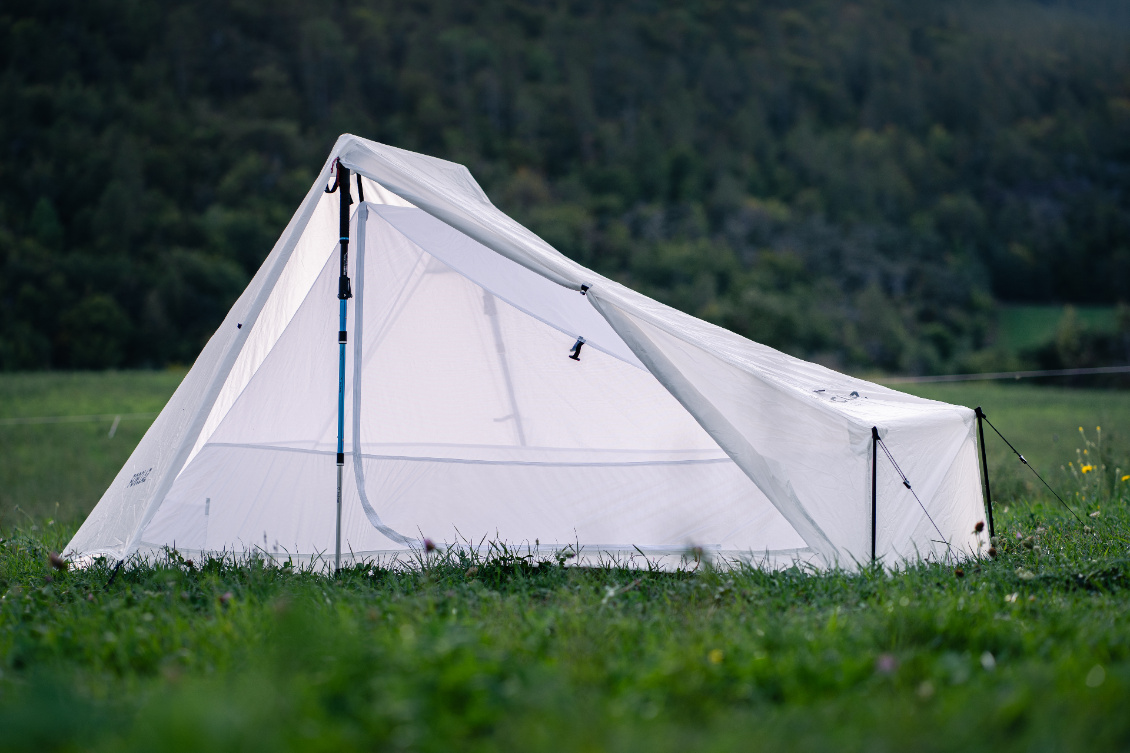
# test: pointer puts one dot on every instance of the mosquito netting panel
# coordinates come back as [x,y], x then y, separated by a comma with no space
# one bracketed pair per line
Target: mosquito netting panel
[465,418]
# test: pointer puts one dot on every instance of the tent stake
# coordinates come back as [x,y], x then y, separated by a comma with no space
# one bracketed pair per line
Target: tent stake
[343,294]
[985,469]
[874,485]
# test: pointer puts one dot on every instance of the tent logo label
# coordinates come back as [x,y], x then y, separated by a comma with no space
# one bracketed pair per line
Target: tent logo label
[139,478]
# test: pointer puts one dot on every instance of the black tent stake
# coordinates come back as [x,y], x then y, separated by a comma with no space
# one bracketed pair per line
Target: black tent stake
[114,574]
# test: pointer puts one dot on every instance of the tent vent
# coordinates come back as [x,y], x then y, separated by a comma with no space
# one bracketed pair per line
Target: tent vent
[576,354]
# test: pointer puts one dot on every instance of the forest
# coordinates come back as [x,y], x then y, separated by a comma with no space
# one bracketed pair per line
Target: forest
[859,183]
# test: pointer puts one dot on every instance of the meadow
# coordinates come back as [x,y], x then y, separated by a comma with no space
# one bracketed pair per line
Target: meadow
[1027,651]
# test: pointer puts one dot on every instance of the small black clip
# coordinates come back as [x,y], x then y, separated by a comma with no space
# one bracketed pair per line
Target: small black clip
[576,355]
[906,484]
[344,291]
[584,291]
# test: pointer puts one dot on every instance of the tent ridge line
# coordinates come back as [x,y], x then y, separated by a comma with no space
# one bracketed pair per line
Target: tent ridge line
[560,271]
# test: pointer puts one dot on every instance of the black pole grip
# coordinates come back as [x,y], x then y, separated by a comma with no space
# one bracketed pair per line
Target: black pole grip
[343,289]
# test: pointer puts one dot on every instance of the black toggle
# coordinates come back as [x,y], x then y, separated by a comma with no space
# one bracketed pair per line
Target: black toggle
[341,458]
[576,355]
[344,292]
[341,335]
[584,289]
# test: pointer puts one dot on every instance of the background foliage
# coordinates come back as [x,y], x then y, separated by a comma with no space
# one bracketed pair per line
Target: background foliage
[851,182]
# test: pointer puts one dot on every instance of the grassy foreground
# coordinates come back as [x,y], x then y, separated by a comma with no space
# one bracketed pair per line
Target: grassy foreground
[1026,652]
[1029,651]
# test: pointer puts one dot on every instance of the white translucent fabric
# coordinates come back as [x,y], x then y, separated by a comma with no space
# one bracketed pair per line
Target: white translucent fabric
[113,527]
[468,420]
[466,414]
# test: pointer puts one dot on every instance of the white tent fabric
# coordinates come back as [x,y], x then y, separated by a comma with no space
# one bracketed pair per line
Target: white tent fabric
[466,421]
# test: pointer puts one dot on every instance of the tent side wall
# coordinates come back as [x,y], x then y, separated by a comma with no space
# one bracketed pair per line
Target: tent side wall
[813,461]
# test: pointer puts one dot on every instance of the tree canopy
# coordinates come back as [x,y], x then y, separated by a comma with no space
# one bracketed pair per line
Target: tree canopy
[852,182]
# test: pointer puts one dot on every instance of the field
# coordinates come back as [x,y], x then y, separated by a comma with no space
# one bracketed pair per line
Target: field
[58,471]
[1023,327]
[1028,651]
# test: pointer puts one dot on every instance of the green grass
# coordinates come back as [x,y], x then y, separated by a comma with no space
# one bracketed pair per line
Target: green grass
[1021,328]
[58,471]
[1028,651]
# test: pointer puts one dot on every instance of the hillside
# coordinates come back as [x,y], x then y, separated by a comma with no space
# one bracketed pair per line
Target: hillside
[855,183]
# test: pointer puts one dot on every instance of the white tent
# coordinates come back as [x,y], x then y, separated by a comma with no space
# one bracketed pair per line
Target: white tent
[466,417]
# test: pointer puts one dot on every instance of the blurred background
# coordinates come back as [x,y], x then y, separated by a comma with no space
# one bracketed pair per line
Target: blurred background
[880,186]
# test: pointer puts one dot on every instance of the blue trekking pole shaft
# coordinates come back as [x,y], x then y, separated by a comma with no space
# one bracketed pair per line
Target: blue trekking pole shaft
[343,294]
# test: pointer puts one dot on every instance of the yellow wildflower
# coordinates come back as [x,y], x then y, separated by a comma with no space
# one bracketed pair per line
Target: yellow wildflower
[1126,478]
[1086,468]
